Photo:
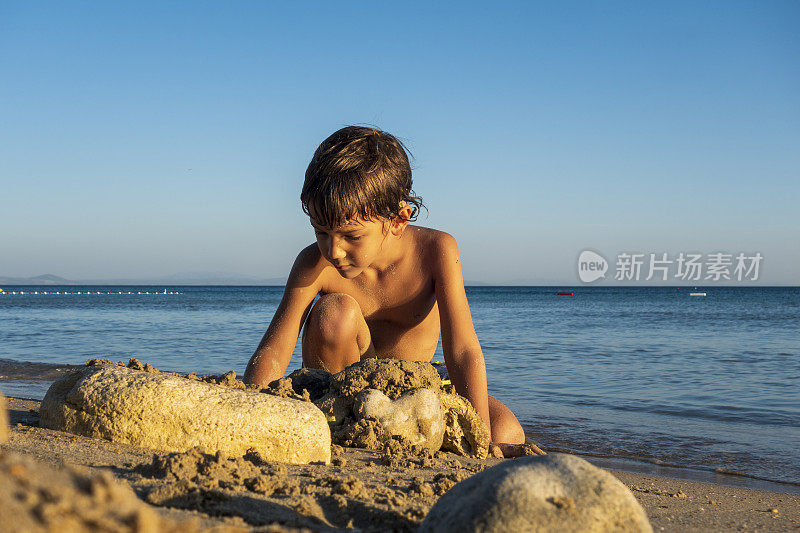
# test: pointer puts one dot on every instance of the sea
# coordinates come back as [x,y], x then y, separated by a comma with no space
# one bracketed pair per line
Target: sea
[645,379]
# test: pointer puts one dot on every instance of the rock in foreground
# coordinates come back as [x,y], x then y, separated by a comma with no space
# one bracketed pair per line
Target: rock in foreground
[554,492]
[171,413]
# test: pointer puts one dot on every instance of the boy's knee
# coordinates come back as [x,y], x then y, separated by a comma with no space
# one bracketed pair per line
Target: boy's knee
[507,429]
[514,434]
[505,426]
[334,317]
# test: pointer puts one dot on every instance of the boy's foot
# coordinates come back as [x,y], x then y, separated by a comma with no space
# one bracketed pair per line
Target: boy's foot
[501,450]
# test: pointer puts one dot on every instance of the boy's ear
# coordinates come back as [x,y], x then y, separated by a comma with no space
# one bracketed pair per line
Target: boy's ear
[400,222]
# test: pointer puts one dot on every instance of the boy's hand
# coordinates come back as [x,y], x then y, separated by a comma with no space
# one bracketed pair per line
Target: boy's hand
[501,450]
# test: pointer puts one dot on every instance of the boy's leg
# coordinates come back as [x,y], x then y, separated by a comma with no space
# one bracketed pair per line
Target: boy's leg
[505,426]
[507,433]
[335,334]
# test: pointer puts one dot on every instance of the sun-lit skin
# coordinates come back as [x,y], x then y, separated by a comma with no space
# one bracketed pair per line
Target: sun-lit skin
[387,289]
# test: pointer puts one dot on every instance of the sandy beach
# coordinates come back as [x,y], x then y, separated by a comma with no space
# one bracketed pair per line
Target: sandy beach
[361,489]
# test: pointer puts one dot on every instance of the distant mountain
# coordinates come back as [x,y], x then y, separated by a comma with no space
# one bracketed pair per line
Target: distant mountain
[44,279]
[49,278]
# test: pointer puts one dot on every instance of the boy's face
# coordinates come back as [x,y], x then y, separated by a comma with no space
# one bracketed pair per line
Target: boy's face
[352,247]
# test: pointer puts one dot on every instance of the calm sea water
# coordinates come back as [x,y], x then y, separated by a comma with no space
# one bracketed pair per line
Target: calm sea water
[649,374]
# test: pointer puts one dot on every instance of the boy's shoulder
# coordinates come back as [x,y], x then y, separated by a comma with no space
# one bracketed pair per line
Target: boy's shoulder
[438,244]
[432,238]
[437,251]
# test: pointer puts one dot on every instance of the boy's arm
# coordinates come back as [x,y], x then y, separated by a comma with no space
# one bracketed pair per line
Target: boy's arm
[272,356]
[462,351]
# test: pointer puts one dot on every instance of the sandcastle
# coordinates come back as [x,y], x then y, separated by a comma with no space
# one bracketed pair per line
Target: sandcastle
[373,400]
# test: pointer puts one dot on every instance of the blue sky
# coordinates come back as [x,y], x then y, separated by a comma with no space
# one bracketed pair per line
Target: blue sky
[152,138]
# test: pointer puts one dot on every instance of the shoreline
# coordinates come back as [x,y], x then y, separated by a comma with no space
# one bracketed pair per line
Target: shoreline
[685,473]
[395,494]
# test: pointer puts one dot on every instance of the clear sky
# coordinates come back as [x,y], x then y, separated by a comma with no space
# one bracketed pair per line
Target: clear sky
[149,138]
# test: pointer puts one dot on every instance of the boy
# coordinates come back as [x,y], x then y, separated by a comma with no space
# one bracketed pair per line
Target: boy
[386,288]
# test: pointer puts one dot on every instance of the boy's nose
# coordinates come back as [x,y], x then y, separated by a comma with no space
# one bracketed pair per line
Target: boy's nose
[335,251]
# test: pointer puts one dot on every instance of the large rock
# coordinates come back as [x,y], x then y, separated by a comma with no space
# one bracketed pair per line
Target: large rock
[416,415]
[555,492]
[171,413]
[3,419]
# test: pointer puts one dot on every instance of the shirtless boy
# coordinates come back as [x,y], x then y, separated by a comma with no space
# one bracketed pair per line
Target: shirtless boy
[387,288]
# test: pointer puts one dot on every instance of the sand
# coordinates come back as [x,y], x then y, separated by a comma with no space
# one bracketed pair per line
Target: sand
[390,489]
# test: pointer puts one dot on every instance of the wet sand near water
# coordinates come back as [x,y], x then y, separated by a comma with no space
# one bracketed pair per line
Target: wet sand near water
[360,489]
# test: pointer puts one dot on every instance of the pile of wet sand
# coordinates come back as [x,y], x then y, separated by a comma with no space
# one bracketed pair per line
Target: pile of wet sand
[37,497]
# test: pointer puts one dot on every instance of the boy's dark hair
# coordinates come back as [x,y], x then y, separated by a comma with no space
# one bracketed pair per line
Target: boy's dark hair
[358,171]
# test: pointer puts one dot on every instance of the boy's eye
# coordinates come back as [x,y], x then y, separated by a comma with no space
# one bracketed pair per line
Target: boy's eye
[348,237]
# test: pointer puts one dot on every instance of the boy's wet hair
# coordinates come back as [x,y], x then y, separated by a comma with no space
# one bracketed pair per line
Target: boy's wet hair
[358,172]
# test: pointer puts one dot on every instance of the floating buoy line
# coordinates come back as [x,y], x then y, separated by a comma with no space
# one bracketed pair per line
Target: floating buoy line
[68,293]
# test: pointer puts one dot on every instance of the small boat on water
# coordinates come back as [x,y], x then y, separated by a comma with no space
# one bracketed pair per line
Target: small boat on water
[565,294]
[697,294]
